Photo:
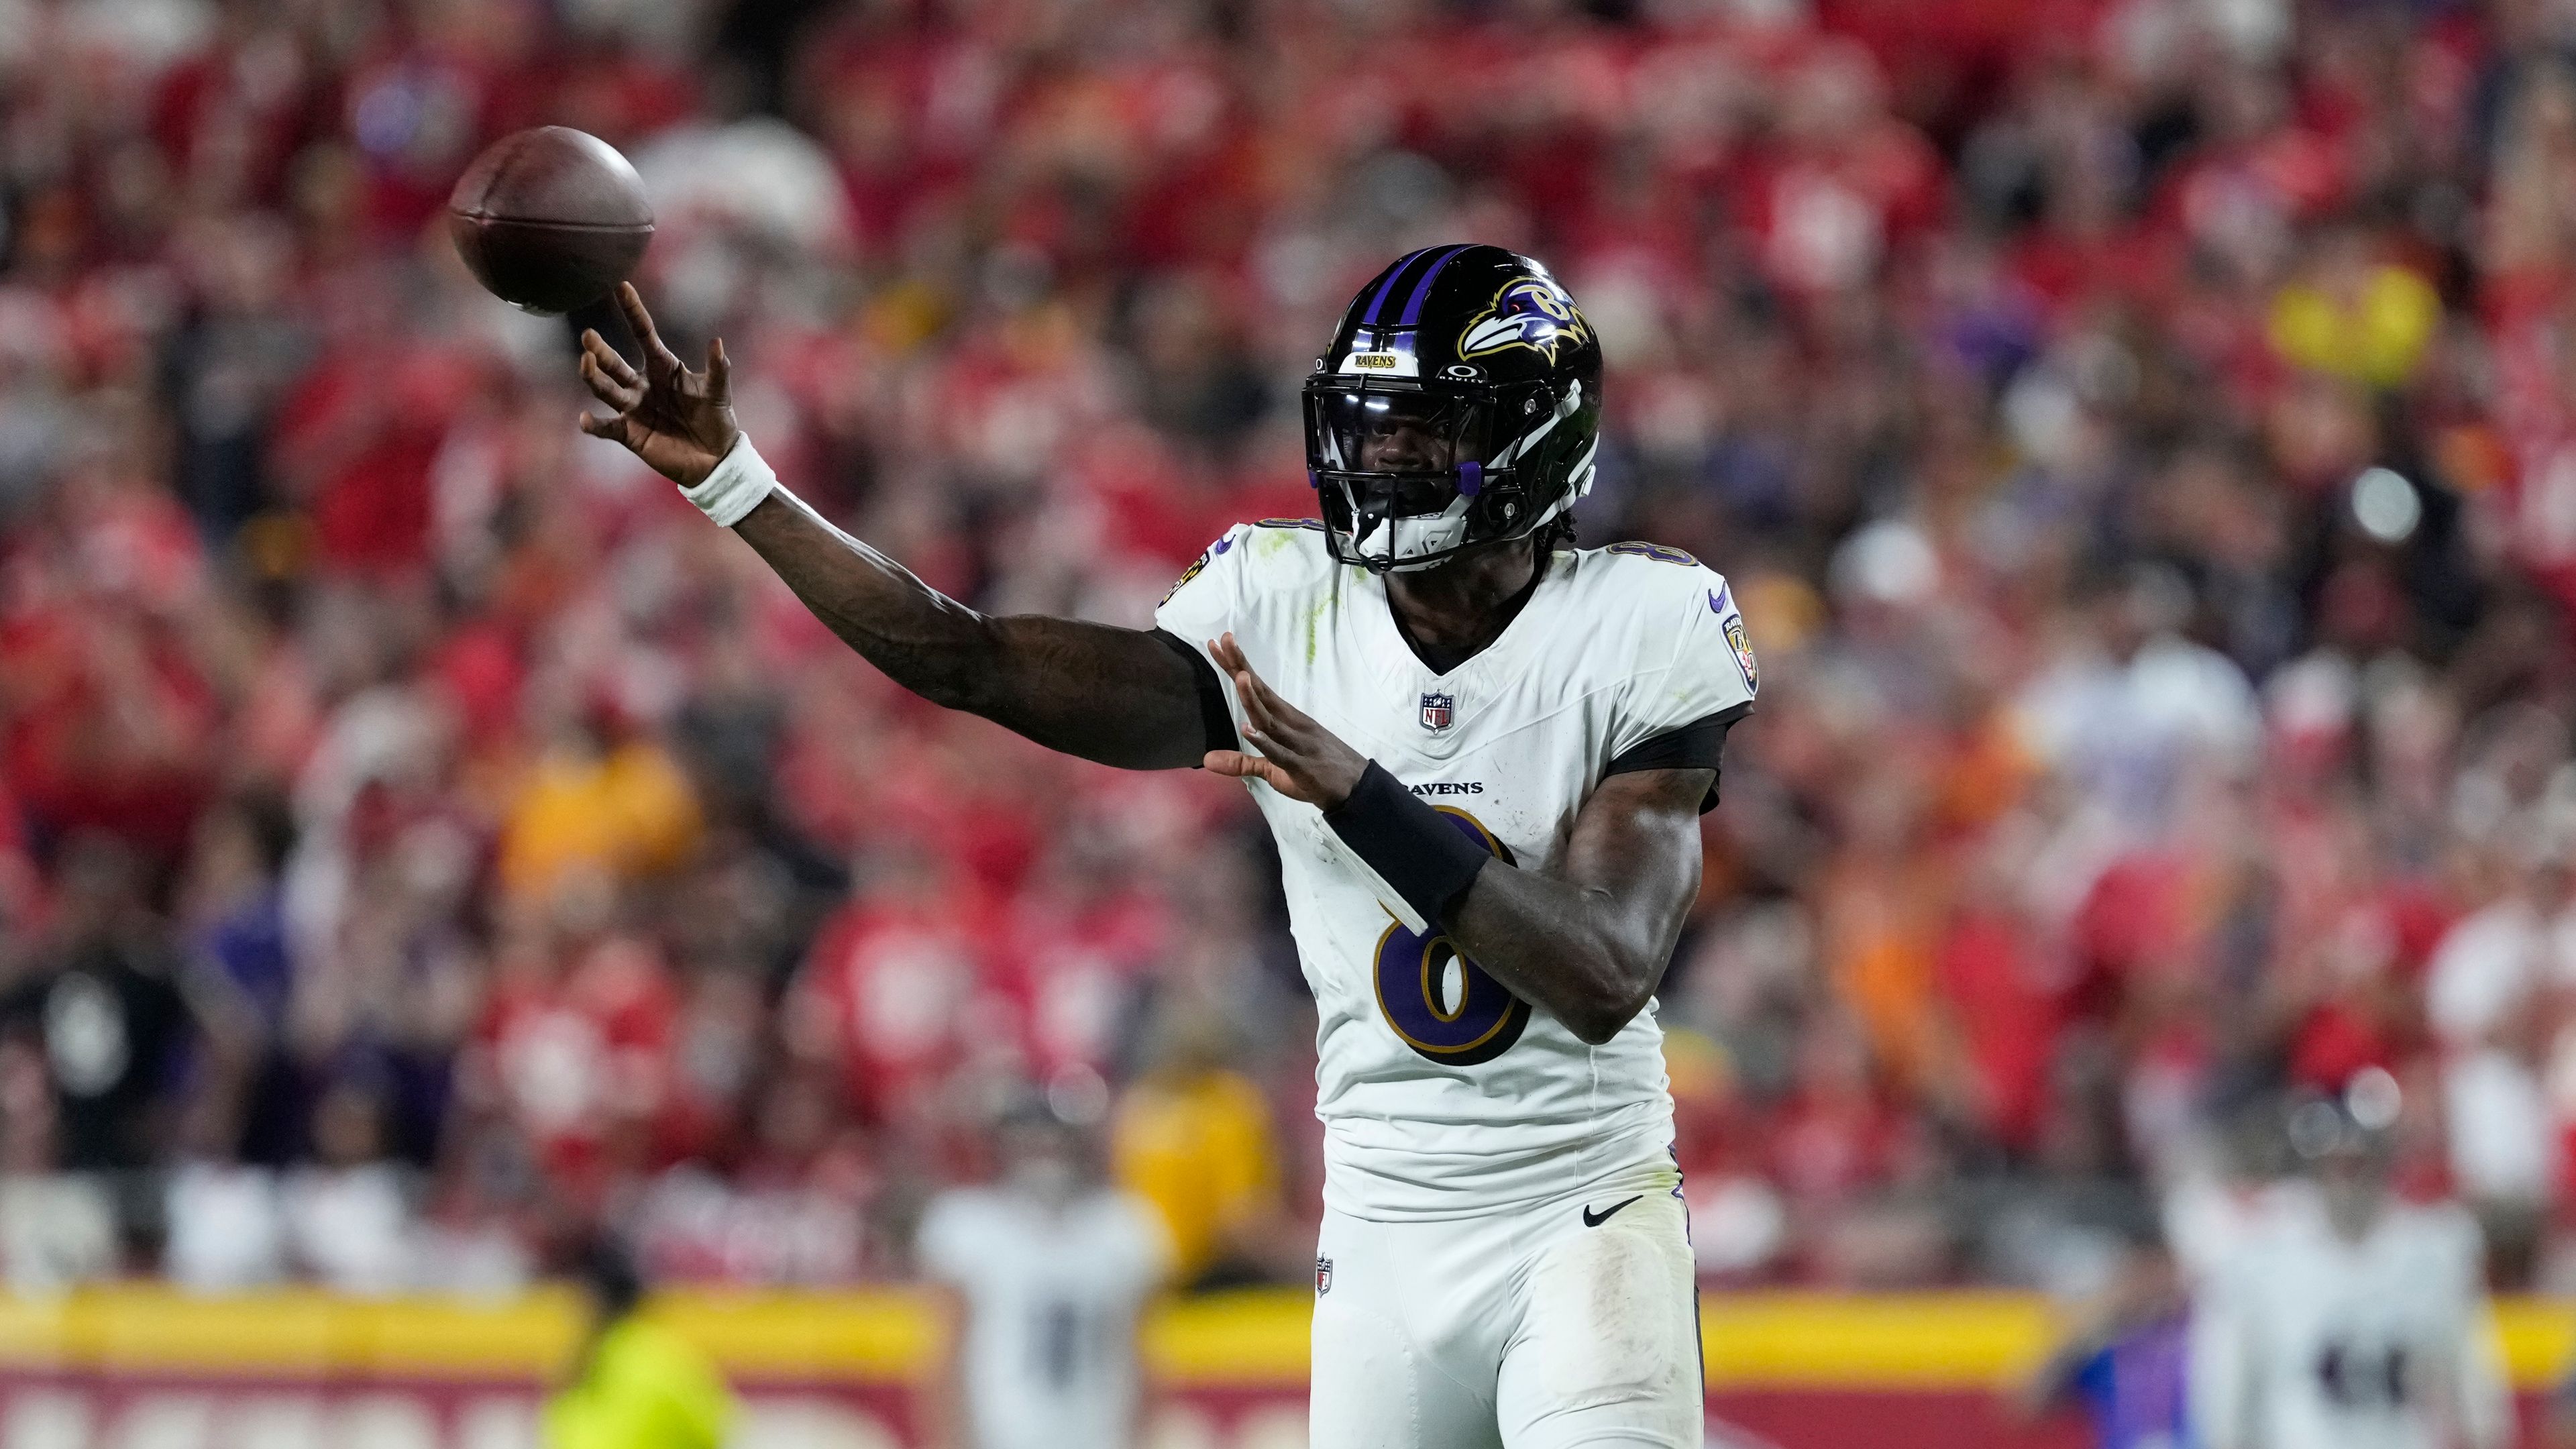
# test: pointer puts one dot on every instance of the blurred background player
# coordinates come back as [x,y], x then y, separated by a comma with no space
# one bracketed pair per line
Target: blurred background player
[1043,1278]
[634,1384]
[2352,1320]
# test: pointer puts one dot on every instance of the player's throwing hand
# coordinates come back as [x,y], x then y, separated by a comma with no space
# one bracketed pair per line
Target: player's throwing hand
[679,422]
[1299,758]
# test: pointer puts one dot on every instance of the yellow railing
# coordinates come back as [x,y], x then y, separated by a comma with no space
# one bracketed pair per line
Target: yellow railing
[1756,1340]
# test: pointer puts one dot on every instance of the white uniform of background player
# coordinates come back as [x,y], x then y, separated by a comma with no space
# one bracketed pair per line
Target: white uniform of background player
[1504,1258]
[1050,1274]
[2372,1332]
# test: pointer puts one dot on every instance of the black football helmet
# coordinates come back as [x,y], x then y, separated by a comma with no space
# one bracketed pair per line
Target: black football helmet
[1459,405]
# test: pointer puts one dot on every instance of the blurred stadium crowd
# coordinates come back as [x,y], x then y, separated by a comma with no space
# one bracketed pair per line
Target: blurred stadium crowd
[2142,434]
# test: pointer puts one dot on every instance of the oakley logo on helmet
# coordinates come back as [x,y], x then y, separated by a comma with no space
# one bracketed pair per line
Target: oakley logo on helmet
[1530,312]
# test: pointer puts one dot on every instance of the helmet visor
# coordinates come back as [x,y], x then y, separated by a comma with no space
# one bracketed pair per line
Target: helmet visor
[1407,446]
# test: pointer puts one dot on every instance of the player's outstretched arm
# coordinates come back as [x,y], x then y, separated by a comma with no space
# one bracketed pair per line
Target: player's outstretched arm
[1589,944]
[1119,696]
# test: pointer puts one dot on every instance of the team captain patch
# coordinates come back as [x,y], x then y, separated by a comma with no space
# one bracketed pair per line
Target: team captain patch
[1197,566]
[1743,649]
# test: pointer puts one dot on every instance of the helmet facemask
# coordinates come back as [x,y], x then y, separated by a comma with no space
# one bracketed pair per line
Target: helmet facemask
[1411,474]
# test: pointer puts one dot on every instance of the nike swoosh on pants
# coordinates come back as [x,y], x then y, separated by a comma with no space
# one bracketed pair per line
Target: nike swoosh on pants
[1590,1220]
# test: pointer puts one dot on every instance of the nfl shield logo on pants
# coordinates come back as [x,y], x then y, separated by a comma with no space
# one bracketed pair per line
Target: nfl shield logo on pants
[1323,1275]
[1438,711]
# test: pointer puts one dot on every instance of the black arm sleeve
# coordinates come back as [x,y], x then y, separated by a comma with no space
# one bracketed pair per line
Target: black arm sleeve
[1213,715]
[1695,746]
[1406,842]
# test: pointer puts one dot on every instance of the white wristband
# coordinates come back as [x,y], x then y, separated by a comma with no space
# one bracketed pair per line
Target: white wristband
[740,480]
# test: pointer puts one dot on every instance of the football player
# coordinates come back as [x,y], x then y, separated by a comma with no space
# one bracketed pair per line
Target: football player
[1043,1278]
[1484,754]
[2349,1319]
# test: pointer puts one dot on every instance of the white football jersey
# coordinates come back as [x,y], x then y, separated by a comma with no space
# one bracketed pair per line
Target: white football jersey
[1052,1299]
[2304,1339]
[1443,1095]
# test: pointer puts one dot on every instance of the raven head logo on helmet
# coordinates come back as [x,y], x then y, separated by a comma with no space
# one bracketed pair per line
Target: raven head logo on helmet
[1459,405]
[1533,312]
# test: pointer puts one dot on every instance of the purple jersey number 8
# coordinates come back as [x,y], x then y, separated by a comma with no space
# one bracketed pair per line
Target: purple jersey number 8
[1482,1021]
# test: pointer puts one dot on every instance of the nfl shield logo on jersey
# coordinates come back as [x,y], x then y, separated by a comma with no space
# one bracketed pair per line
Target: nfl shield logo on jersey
[1323,1275]
[1439,711]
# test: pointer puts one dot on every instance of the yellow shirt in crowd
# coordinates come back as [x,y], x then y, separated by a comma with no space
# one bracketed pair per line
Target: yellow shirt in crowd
[2376,337]
[628,812]
[645,1388]
[1198,1148]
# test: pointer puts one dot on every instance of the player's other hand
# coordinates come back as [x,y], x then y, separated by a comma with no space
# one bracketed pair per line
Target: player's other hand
[1299,758]
[679,422]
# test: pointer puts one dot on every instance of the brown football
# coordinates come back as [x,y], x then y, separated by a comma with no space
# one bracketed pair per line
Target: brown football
[550,218]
